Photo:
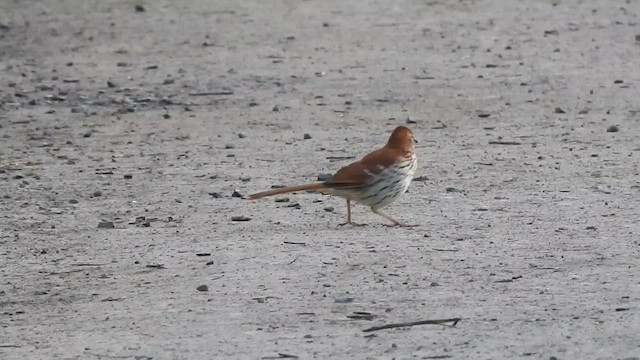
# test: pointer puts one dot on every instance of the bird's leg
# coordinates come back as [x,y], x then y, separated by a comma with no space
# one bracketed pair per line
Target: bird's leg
[349,222]
[394,221]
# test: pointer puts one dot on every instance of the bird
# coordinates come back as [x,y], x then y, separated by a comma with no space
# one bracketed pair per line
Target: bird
[376,180]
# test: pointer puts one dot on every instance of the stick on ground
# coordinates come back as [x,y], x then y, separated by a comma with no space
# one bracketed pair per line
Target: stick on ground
[454,321]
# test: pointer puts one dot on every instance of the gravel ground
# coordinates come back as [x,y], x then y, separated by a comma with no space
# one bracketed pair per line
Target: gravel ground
[126,127]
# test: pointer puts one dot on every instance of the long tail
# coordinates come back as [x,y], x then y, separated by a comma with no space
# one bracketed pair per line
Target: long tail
[313,186]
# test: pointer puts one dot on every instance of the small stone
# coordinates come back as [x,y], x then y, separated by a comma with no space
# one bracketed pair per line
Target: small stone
[128,176]
[87,134]
[236,194]
[106,225]
[209,263]
[618,82]
[96,193]
[275,108]
[411,121]
[229,146]
[281,200]
[329,208]
[73,201]
[140,8]
[347,300]
[240,218]
[245,179]
[307,136]
[121,64]
[166,116]
[558,110]
[168,81]
[202,288]
[215,195]
[482,113]
[203,254]
[242,135]
[324,177]
[612,128]
[111,84]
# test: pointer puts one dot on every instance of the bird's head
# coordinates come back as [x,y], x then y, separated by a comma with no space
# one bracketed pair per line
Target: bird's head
[401,139]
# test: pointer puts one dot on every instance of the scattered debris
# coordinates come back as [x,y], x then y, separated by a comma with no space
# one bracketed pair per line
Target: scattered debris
[240,218]
[499,142]
[454,322]
[106,225]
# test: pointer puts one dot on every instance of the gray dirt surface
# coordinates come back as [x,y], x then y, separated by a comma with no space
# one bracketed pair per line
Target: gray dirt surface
[124,133]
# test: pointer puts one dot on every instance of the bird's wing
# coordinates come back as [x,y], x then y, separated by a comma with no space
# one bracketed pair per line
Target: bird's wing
[357,173]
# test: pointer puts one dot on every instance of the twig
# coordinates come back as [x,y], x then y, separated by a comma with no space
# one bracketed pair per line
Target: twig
[340,157]
[504,143]
[295,243]
[414,323]
[441,249]
[213,93]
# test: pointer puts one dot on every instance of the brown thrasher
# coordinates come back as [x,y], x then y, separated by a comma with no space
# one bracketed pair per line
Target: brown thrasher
[376,180]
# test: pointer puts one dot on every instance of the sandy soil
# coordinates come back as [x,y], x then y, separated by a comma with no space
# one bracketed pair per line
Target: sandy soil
[124,134]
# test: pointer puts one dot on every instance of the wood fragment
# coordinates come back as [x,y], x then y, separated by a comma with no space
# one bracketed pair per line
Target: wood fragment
[213,93]
[504,143]
[454,322]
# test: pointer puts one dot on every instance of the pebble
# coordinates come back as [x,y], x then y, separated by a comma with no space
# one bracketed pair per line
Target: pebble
[236,194]
[215,195]
[307,136]
[612,128]
[329,208]
[240,218]
[106,225]
[324,177]
[140,8]
[128,176]
[203,288]
[559,111]
[242,135]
